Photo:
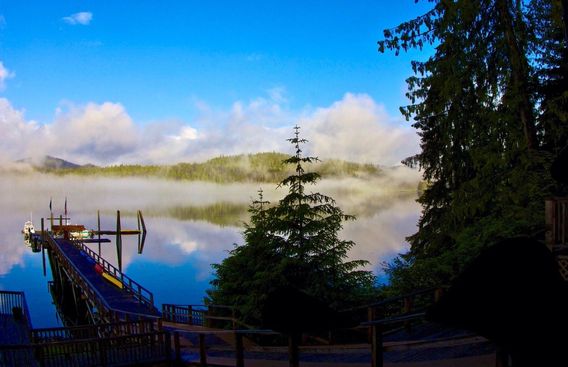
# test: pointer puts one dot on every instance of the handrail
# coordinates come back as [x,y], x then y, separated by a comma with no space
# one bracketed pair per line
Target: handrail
[88,287]
[90,331]
[11,299]
[395,319]
[144,348]
[139,292]
[394,299]
[188,314]
[208,306]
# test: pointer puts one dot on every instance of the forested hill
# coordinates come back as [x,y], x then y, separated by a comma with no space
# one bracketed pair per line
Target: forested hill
[260,167]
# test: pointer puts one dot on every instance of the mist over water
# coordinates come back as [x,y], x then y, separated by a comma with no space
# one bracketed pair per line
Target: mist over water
[179,249]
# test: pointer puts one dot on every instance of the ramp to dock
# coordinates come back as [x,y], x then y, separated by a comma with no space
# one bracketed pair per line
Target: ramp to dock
[130,300]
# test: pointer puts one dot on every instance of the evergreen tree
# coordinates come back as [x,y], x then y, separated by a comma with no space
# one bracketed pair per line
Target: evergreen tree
[310,224]
[477,104]
[251,271]
[292,244]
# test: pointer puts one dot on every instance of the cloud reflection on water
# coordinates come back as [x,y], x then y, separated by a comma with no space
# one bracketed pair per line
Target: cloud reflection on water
[385,216]
[176,263]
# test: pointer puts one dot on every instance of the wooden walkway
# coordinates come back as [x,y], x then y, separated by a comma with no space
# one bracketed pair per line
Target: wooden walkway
[78,262]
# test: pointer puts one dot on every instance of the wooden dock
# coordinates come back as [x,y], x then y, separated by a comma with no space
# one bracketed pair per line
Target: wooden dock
[74,267]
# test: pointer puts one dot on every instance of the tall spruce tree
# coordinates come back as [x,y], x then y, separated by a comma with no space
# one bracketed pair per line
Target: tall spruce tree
[294,243]
[310,224]
[477,104]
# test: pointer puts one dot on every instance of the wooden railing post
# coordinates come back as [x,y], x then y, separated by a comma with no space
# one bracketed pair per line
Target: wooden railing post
[206,320]
[438,293]
[501,357]
[370,317]
[550,222]
[239,349]
[102,352]
[177,347]
[167,313]
[168,345]
[190,314]
[406,310]
[39,355]
[294,349]
[202,350]
[377,346]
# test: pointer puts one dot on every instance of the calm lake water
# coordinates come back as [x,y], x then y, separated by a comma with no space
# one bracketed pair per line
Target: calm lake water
[190,226]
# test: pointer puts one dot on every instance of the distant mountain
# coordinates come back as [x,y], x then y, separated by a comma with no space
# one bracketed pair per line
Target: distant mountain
[49,162]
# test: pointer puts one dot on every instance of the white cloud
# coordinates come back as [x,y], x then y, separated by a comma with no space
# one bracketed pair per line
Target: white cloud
[186,133]
[17,133]
[4,75]
[354,128]
[101,131]
[82,18]
[97,133]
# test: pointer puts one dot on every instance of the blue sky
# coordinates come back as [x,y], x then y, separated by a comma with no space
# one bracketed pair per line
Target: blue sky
[196,71]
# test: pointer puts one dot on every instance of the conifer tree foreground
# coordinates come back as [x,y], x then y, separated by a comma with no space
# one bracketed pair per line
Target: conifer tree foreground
[491,107]
[294,243]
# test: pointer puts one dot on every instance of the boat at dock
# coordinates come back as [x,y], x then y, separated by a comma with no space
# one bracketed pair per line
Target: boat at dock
[28,229]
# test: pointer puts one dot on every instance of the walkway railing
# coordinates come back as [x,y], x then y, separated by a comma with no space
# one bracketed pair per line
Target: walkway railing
[184,314]
[414,303]
[14,303]
[202,315]
[92,331]
[75,275]
[130,350]
[556,210]
[556,235]
[138,291]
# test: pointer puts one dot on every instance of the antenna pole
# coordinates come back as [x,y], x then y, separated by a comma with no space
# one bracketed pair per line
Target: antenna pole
[118,241]
[99,229]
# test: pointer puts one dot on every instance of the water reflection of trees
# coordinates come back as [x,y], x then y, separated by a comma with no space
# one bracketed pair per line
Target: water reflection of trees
[224,213]
[198,221]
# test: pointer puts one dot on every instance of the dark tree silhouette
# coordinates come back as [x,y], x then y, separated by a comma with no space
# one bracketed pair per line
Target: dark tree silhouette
[294,244]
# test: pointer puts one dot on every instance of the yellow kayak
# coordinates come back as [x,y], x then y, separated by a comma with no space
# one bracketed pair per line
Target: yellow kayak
[112,279]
